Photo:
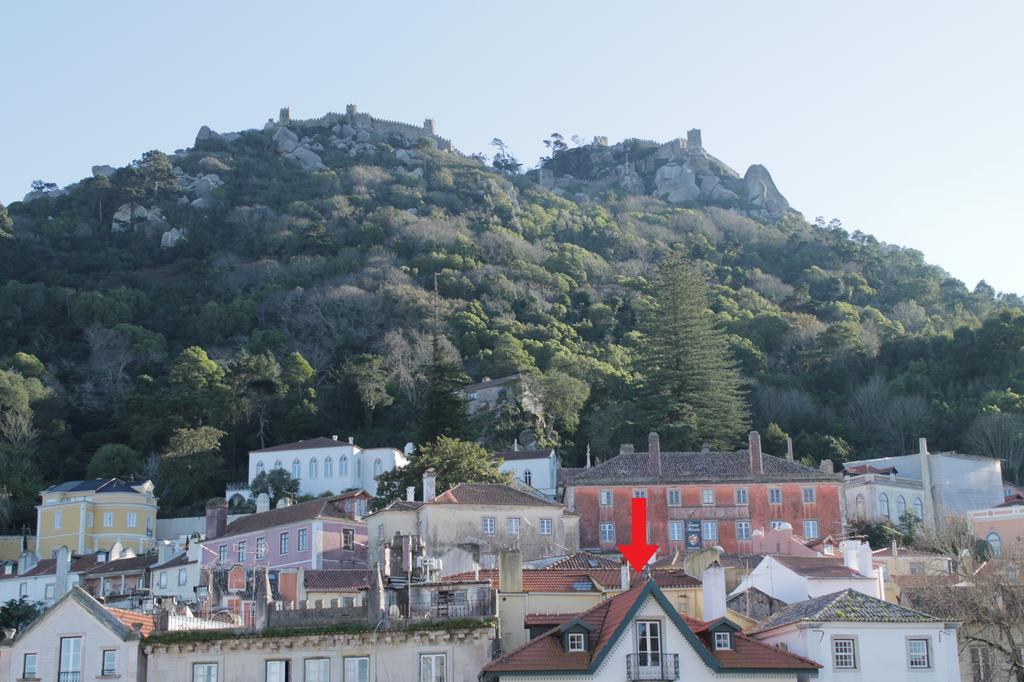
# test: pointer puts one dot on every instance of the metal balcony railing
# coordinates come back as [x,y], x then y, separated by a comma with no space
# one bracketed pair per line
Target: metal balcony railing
[658,667]
[69,676]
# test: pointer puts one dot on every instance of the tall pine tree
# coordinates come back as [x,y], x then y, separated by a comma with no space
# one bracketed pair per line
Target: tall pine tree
[690,386]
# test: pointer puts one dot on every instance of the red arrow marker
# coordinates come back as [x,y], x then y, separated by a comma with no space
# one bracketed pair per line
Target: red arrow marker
[638,553]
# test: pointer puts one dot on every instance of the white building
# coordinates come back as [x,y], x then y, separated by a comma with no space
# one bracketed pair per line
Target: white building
[78,639]
[323,465]
[856,637]
[535,468]
[177,574]
[43,581]
[793,579]
[931,485]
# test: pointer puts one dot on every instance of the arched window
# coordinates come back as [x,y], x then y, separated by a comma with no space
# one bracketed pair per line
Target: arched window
[883,505]
[378,467]
[527,477]
[901,507]
[859,505]
[278,465]
[328,467]
[995,542]
[259,468]
[313,468]
[296,469]
[918,508]
[343,466]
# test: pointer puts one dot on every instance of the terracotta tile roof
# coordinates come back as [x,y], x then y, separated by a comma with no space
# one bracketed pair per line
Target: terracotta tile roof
[310,444]
[607,621]
[674,578]
[1014,500]
[548,580]
[132,618]
[137,563]
[179,560]
[334,580]
[817,567]
[322,507]
[490,493]
[549,619]
[846,606]
[695,467]
[583,561]
[80,564]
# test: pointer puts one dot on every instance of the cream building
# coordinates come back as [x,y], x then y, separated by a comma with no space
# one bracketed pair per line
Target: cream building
[89,516]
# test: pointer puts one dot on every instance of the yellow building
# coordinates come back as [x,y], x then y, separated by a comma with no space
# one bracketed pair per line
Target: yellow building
[89,516]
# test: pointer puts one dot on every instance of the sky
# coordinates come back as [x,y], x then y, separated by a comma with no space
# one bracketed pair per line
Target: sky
[901,119]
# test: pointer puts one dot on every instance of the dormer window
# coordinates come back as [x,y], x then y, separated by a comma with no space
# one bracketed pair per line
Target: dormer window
[723,641]
[576,641]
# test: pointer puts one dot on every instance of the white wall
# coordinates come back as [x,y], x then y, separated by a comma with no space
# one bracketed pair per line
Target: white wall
[10,587]
[543,472]
[359,471]
[778,581]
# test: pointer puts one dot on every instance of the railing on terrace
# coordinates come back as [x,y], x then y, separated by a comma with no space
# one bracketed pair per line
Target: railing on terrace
[658,667]
[69,677]
[901,481]
[445,610]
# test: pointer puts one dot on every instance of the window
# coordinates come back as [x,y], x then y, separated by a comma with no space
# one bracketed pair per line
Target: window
[432,668]
[328,468]
[348,538]
[513,526]
[260,466]
[844,653]
[359,469]
[528,477]
[343,466]
[149,526]
[296,469]
[775,495]
[182,576]
[810,496]
[222,554]
[707,496]
[261,548]
[162,579]
[378,468]
[710,529]
[777,524]
[883,505]
[918,653]
[313,468]
[675,497]
[545,526]
[303,540]
[278,465]
[607,532]
[901,507]
[380,534]
[741,496]
[70,657]
[743,530]
[810,528]
[675,531]
[283,544]
[487,525]
[23,590]
[28,667]
[108,519]
[918,508]
[109,662]
[204,672]
[58,520]
[90,519]
[357,669]
[361,507]
[133,519]
[577,642]
[981,664]
[48,591]
[318,669]
[640,493]
[606,498]
[277,671]
[723,642]
[995,542]
[242,550]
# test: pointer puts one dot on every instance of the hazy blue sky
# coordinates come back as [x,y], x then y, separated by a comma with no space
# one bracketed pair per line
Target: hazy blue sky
[903,119]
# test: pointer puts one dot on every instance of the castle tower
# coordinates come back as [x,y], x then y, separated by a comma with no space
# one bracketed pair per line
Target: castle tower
[600,140]
[351,110]
[429,127]
[693,142]
[284,117]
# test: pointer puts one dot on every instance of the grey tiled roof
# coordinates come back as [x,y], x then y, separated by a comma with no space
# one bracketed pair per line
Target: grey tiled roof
[847,606]
[687,467]
[98,485]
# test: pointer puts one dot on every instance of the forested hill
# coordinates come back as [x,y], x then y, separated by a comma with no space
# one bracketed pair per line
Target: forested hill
[278,283]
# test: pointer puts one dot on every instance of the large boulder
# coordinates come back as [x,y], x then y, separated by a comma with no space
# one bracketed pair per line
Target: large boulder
[761,191]
[204,186]
[676,183]
[103,171]
[205,133]
[171,237]
[307,158]
[128,216]
[285,140]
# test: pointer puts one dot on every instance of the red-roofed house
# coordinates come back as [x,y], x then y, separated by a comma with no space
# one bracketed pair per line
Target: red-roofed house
[638,635]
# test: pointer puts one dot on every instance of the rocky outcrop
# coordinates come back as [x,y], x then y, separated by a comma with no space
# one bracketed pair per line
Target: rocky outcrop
[103,171]
[300,151]
[676,183]
[133,217]
[762,193]
[171,237]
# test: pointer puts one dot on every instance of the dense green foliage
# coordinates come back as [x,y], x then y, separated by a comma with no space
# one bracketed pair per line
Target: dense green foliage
[301,304]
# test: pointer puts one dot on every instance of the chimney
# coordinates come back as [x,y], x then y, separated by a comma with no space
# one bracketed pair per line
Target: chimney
[283,502]
[851,551]
[9,633]
[713,588]
[926,483]
[262,503]
[826,466]
[263,599]
[429,485]
[351,440]
[705,448]
[510,571]
[63,567]
[895,549]
[164,551]
[410,493]
[216,517]
[756,464]
[334,437]
[624,575]
[409,448]
[588,455]
[789,448]
[654,453]
[865,565]
[626,449]
[27,560]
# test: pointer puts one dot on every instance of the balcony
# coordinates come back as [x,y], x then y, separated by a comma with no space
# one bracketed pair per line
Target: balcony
[662,668]
[69,676]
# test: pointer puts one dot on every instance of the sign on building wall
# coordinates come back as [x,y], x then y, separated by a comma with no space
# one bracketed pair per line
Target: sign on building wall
[693,535]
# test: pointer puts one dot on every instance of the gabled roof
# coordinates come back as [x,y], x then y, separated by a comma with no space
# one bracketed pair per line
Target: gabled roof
[322,507]
[584,561]
[513,455]
[609,621]
[548,580]
[846,606]
[490,494]
[128,565]
[310,444]
[334,580]
[818,567]
[490,383]
[95,485]
[694,467]
[79,564]
[179,560]
[106,616]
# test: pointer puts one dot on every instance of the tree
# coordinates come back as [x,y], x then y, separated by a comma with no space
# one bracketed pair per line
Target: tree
[454,461]
[504,161]
[690,386]
[6,224]
[277,483]
[556,143]
[443,410]
[563,397]
[999,435]
[43,186]
[19,614]
[198,392]
[114,460]
[370,376]
[257,384]
[191,468]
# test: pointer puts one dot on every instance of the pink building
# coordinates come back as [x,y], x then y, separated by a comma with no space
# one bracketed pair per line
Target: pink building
[1002,526]
[327,532]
